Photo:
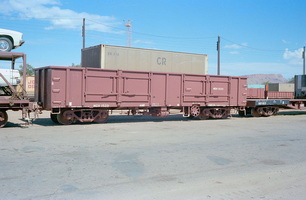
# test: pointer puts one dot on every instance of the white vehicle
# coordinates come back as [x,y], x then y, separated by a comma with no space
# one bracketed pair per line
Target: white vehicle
[10,40]
[11,75]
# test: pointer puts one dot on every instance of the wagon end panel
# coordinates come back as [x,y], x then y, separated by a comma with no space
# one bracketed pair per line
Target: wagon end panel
[238,91]
[43,87]
[59,87]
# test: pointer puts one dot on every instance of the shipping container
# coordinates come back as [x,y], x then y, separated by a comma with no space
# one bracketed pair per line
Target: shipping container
[256,86]
[128,58]
[30,86]
[281,87]
[300,86]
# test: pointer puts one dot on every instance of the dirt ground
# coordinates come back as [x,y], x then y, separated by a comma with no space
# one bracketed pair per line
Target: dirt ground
[141,157]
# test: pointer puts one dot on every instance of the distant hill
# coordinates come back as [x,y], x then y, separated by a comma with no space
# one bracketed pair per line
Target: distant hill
[255,79]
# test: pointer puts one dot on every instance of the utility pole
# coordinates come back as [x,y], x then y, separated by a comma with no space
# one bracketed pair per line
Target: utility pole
[304,61]
[218,49]
[83,33]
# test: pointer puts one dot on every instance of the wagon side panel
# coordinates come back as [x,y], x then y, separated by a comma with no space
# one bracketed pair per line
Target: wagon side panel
[101,88]
[219,91]
[158,89]
[135,89]
[74,88]
[194,90]
[174,90]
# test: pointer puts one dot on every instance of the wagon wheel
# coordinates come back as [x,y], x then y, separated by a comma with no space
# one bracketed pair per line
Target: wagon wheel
[226,114]
[255,113]
[3,118]
[65,117]
[103,117]
[242,113]
[54,118]
[204,114]
[195,111]
[269,111]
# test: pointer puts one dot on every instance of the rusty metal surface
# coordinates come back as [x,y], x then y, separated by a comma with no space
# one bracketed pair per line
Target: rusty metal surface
[280,95]
[256,93]
[63,87]
[10,55]
[260,93]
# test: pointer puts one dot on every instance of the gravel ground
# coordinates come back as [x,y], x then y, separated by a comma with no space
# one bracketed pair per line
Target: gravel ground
[140,157]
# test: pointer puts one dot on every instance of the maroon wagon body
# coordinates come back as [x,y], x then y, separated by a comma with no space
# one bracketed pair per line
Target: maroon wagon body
[256,93]
[67,87]
[280,95]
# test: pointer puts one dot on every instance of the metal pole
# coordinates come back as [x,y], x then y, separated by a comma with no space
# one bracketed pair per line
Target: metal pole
[304,61]
[24,76]
[218,49]
[83,33]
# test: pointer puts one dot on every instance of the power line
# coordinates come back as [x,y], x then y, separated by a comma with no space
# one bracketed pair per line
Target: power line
[253,48]
[153,35]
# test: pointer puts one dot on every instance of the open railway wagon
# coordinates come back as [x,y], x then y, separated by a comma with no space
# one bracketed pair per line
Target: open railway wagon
[88,94]
[12,98]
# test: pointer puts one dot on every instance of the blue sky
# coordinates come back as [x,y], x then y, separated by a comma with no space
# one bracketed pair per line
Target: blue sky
[257,36]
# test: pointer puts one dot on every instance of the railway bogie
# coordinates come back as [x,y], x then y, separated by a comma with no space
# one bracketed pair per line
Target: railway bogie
[69,116]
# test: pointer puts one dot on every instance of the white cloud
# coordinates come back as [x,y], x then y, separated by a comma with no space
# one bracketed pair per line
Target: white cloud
[285,41]
[294,57]
[49,10]
[146,42]
[236,46]
[234,52]
[232,46]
